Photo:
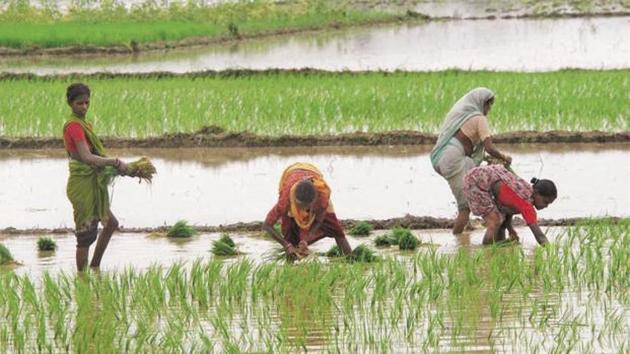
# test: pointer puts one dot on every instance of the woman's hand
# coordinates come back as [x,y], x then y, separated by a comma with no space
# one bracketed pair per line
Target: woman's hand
[292,252]
[303,249]
[121,166]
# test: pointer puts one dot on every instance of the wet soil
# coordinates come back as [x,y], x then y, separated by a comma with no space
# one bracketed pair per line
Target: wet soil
[407,221]
[217,137]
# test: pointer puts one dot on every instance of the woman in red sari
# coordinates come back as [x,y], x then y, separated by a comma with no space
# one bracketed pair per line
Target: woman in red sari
[305,211]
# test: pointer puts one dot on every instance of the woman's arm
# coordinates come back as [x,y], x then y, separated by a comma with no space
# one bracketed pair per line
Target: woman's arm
[510,228]
[493,151]
[538,234]
[291,251]
[86,156]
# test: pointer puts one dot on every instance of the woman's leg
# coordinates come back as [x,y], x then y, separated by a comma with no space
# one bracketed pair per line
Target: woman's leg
[493,223]
[103,240]
[463,216]
[331,227]
[85,239]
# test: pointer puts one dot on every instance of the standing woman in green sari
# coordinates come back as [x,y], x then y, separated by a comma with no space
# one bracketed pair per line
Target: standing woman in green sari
[90,174]
[464,138]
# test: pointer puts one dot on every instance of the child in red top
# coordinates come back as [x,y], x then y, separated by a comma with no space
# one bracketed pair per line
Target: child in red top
[495,194]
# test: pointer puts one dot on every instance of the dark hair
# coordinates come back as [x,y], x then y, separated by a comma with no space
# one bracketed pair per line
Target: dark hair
[75,90]
[544,187]
[305,191]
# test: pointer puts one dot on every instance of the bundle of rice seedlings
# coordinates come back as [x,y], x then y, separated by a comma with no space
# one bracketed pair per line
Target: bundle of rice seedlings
[408,241]
[5,255]
[181,229]
[383,241]
[142,168]
[46,244]
[362,254]
[334,251]
[224,246]
[361,229]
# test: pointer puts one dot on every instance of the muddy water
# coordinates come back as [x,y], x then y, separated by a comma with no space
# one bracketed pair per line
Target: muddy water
[519,45]
[140,251]
[224,186]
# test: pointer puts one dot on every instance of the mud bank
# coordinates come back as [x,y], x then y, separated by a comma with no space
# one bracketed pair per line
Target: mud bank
[408,221]
[217,137]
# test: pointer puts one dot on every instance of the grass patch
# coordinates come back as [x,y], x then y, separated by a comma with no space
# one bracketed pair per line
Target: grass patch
[181,229]
[318,103]
[111,24]
[46,244]
[361,229]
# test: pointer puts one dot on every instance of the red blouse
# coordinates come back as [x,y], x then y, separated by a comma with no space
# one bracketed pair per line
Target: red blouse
[510,199]
[72,135]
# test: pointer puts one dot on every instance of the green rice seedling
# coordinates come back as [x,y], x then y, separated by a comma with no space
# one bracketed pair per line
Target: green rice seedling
[5,255]
[408,241]
[110,25]
[326,103]
[383,241]
[363,254]
[361,229]
[46,244]
[224,246]
[334,251]
[181,229]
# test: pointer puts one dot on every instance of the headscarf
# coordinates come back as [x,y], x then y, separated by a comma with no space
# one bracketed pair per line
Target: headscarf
[470,105]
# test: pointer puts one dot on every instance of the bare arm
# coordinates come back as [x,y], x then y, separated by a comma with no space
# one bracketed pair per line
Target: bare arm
[538,234]
[510,228]
[86,156]
[493,151]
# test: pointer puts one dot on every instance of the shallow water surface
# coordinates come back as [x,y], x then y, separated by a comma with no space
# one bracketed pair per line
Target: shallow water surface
[512,45]
[224,186]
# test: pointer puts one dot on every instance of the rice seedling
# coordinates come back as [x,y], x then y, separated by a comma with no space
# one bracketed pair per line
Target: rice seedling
[23,25]
[5,255]
[181,229]
[224,246]
[402,237]
[318,103]
[334,251]
[361,229]
[501,298]
[142,168]
[363,254]
[46,244]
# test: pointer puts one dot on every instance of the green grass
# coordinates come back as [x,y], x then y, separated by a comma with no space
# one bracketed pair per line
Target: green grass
[181,229]
[400,236]
[5,255]
[46,244]
[318,103]
[570,296]
[104,26]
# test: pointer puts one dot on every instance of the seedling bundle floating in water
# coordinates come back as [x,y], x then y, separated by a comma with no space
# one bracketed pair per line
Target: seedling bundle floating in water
[402,237]
[361,229]
[224,246]
[5,255]
[181,229]
[46,244]
[360,253]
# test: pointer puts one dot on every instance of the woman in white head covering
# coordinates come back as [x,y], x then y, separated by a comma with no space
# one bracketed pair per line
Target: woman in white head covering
[464,138]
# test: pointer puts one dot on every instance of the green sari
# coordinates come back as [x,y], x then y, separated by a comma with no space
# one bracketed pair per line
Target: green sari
[87,185]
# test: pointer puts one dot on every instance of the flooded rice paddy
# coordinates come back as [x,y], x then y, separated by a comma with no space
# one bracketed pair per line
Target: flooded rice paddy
[501,45]
[447,296]
[224,186]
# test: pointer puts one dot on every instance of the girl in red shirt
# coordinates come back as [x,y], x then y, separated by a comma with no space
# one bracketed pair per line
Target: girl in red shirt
[496,194]
[90,171]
